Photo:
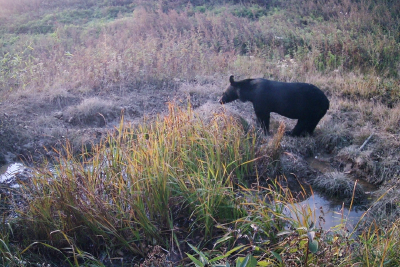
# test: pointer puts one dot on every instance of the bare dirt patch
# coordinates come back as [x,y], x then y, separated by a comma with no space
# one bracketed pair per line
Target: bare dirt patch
[31,126]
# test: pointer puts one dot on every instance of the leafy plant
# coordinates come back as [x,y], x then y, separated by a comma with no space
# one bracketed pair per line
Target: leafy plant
[206,261]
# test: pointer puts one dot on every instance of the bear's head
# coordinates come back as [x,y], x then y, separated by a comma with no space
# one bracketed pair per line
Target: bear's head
[231,93]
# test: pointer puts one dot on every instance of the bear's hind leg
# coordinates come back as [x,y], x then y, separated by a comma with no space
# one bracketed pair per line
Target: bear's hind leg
[312,122]
[311,125]
[300,128]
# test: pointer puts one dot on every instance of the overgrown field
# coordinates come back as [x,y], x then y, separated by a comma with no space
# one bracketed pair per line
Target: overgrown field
[145,167]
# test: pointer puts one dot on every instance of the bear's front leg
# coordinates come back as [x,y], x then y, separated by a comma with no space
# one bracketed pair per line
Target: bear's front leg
[263,120]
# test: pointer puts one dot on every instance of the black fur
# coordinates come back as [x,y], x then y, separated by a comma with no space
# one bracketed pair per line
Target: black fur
[301,101]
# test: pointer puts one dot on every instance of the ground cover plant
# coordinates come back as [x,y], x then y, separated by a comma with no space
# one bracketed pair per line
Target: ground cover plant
[170,181]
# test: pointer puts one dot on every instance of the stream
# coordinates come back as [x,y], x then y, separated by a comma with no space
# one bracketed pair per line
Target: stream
[328,213]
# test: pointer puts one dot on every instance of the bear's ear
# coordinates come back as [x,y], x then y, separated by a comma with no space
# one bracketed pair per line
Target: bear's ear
[231,80]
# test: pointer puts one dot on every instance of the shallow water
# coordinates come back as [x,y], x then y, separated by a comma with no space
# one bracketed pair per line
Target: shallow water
[320,163]
[330,212]
[327,213]
[8,172]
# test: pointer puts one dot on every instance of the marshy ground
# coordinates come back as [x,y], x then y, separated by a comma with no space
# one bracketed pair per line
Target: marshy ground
[70,71]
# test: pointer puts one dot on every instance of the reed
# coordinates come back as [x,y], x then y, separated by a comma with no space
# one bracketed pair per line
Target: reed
[132,188]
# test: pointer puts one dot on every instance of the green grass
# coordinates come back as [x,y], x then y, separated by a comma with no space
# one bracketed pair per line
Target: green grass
[378,247]
[133,188]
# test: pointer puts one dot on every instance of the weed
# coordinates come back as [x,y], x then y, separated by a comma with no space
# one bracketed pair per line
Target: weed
[276,232]
[378,246]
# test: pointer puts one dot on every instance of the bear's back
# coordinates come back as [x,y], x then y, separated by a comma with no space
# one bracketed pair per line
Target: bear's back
[293,100]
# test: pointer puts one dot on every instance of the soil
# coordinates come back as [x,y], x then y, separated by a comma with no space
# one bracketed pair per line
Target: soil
[32,127]
[35,127]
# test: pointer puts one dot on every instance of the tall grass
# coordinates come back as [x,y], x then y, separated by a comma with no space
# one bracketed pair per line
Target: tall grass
[378,247]
[135,187]
[173,179]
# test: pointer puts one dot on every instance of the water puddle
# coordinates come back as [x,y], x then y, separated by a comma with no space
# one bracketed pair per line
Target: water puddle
[330,212]
[8,173]
[326,213]
[320,163]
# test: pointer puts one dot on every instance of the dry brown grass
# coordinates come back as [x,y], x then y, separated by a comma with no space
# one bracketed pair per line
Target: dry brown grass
[91,111]
[7,7]
[13,7]
[339,185]
[154,47]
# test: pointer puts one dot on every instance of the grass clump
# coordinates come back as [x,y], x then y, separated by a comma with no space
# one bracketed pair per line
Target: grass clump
[338,184]
[91,111]
[379,245]
[141,185]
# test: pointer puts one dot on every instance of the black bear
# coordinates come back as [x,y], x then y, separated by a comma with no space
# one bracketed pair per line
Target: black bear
[301,101]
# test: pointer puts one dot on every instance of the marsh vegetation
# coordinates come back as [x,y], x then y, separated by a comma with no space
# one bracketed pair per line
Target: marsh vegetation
[114,106]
